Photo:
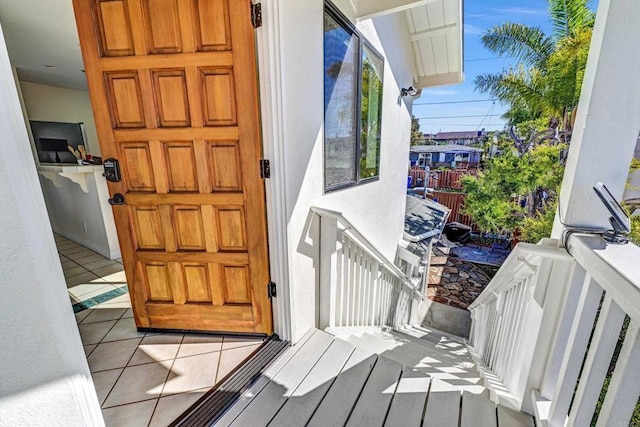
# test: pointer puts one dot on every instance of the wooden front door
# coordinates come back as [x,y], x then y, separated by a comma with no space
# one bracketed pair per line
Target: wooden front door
[174,92]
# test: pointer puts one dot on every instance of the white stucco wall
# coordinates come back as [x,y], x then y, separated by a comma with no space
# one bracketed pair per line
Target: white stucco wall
[376,208]
[57,104]
[45,378]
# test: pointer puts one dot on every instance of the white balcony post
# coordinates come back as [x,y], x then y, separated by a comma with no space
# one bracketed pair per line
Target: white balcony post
[328,274]
[608,118]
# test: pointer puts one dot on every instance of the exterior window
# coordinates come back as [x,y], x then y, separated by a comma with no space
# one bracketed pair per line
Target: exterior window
[352,104]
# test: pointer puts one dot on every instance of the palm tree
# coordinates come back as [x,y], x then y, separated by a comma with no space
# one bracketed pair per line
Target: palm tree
[547,80]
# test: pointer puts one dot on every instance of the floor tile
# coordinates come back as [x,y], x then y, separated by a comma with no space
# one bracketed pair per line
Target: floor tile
[98,264]
[192,373]
[128,313]
[233,342]
[199,344]
[123,329]
[74,271]
[171,407]
[138,383]
[156,348]
[88,349]
[67,263]
[108,270]
[123,301]
[85,291]
[100,314]
[87,257]
[117,277]
[71,250]
[135,415]
[104,381]
[81,315]
[112,355]
[86,277]
[92,333]
[232,357]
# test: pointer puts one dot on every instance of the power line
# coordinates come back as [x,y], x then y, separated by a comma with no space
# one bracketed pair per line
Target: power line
[454,102]
[465,124]
[493,58]
[457,117]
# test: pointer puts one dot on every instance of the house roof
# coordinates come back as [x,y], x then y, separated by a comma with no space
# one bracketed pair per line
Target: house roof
[458,135]
[449,148]
[423,218]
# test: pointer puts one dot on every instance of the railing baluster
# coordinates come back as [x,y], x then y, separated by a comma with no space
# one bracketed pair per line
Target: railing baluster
[624,388]
[603,344]
[577,345]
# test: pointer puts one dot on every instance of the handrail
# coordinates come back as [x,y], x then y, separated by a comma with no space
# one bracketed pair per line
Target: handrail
[358,285]
[518,259]
[547,327]
[369,246]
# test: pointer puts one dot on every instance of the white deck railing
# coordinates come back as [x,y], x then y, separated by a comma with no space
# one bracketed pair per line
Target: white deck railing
[358,285]
[547,325]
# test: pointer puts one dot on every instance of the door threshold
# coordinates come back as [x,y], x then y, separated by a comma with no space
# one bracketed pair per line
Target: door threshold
[210,407]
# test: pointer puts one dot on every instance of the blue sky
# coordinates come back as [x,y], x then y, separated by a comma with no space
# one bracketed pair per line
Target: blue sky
[479,16]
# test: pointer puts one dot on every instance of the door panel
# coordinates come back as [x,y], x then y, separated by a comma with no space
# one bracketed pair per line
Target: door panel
[173,89]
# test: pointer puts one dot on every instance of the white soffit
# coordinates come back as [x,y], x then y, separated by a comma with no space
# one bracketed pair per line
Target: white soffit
[435,29]
[436,35]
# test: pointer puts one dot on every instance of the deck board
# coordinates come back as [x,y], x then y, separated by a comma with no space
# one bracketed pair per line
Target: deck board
[477,411]
[262,381]
[302,403]
[323,381]
[509,418]
[443,408]
[409,400]
[264,406]
[373,404]
[341,397]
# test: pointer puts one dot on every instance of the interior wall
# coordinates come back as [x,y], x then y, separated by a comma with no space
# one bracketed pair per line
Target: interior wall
[56,104]
[76,202]
[376,209]
[44,371]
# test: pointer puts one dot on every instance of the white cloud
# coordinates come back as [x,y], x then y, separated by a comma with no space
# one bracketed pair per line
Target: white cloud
[441,92]
[472,29]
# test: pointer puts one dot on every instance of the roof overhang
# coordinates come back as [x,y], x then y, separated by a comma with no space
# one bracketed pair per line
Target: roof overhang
[435,30]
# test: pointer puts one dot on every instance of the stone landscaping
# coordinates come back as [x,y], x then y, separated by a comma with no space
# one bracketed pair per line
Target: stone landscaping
[456,282]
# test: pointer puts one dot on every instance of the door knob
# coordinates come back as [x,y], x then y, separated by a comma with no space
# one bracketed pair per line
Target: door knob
[118,199]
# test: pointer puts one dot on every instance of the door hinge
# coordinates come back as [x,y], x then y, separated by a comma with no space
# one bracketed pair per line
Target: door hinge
[256,15]
[265,168]
[271,290]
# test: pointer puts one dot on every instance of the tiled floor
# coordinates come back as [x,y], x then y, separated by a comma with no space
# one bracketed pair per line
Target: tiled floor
[141,378]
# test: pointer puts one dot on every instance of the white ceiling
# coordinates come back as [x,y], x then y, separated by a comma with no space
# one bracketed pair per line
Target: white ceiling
[40,33]
[435,30]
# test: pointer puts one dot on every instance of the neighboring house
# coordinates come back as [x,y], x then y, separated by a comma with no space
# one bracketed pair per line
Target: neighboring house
[448,156]
[178,105]
[460,137]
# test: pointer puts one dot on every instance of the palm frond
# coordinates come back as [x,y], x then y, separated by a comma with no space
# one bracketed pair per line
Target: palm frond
[530,45]
[569,16]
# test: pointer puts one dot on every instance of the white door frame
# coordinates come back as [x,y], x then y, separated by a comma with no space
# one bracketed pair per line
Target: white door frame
[269,51]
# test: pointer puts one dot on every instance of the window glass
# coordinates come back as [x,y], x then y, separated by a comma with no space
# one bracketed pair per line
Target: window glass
[340,103]
[371,113]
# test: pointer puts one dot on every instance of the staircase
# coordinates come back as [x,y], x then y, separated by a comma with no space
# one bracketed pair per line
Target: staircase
[442,356]
[410,376]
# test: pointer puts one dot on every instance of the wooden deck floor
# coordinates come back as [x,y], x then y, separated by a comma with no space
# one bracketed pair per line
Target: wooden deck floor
[324,381]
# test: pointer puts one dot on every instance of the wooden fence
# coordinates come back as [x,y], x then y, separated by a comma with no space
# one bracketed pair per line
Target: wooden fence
[440,179]
[455,202]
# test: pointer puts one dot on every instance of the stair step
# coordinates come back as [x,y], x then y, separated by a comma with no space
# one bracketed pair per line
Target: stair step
[455,370]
